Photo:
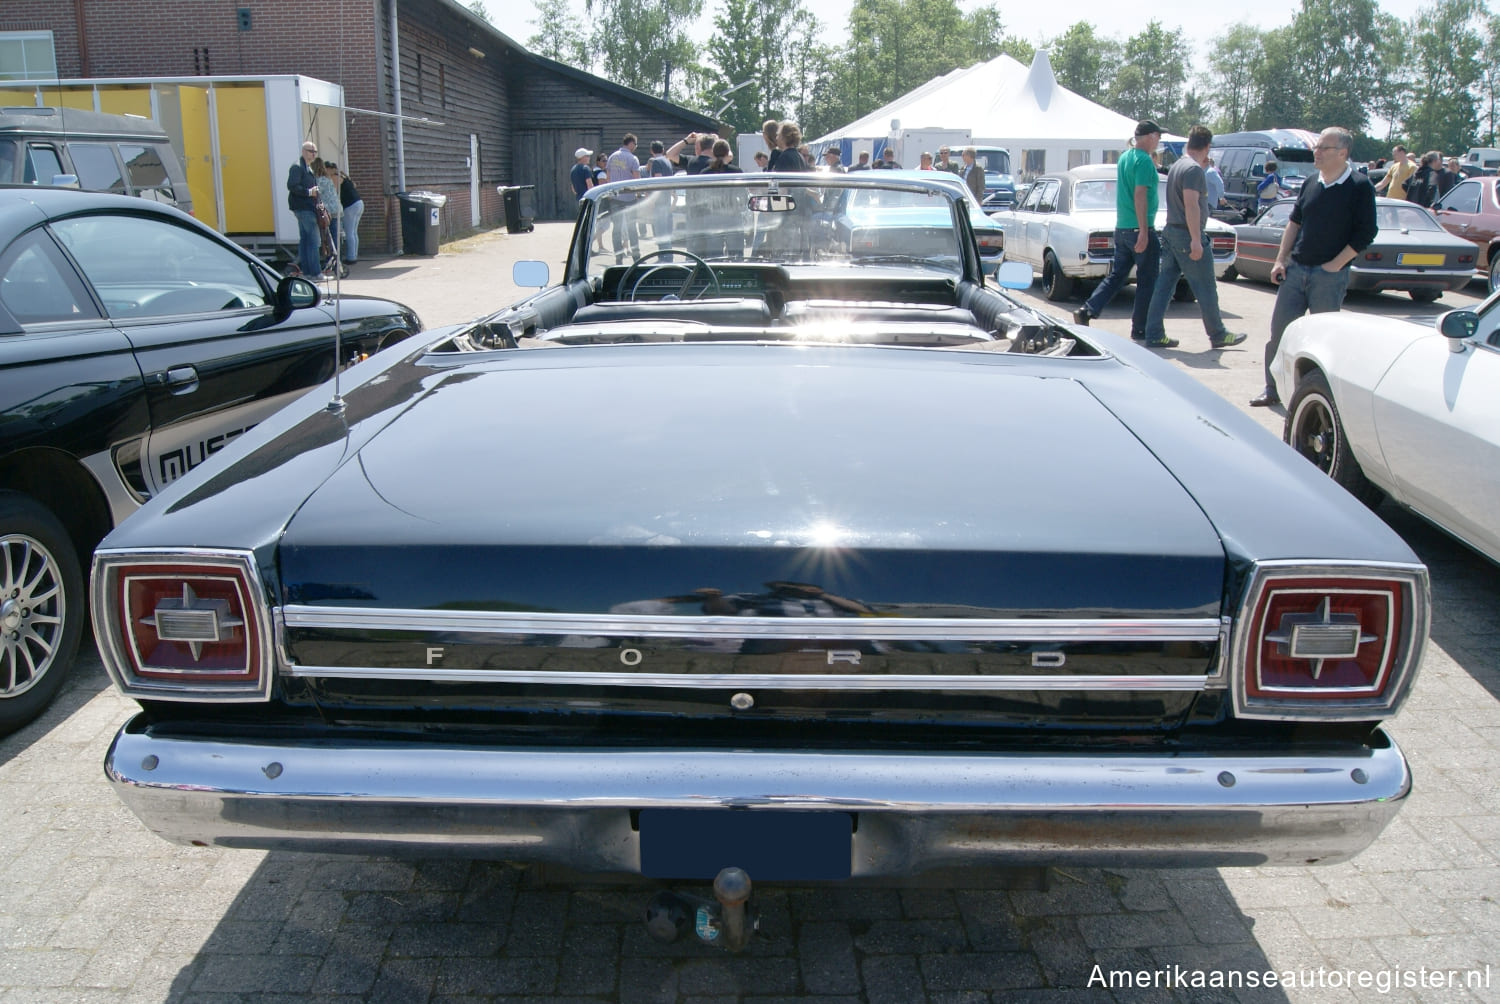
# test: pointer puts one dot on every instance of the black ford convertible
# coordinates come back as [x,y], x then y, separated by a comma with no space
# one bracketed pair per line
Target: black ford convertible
[775,536]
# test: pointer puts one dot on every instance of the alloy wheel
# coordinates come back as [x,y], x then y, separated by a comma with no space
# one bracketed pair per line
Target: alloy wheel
[32,601]
[1314,434]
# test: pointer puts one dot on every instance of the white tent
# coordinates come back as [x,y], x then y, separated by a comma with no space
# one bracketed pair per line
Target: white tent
[1045,126]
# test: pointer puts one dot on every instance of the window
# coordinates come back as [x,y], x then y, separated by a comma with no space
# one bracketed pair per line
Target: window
[1111,157]
[1278,215]
[1047,201]
[42,165]
[9,152]
[1033,198]
[37,285]
[1235,162]
[97,169]
[170,269]
[1035,162]
[1077,158]
[148,175]
[27,55]
[1463,199]
[1258,165]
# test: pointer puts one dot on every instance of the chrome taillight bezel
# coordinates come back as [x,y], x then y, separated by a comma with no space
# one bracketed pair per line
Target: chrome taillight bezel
[1361,704]
[115,643]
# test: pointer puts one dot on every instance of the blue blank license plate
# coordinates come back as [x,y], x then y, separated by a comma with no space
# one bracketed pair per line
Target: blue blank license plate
[769,845]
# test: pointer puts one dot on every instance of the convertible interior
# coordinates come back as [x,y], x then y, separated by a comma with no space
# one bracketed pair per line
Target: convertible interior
[806,259]
[675,296]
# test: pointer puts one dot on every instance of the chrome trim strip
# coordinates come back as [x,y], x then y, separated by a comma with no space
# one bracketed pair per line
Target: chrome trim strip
[917,810]
[1204,629]
[774,681]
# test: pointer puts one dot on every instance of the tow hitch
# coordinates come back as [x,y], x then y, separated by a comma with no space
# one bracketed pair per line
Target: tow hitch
[727,923]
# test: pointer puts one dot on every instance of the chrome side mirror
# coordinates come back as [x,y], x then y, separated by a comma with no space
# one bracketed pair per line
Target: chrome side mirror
[529,273]
[1458,326]
[1014,275]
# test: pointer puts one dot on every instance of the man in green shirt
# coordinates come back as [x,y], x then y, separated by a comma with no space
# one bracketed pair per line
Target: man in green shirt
[1136,245]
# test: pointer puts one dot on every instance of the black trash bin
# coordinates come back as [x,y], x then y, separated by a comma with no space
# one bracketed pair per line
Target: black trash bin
[421,221]
[520,207]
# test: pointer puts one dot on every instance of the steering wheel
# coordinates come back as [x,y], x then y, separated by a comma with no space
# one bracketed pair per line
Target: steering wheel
[687,282]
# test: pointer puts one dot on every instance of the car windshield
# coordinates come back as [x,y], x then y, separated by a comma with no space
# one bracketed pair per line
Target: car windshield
[791,220]
[1405,218]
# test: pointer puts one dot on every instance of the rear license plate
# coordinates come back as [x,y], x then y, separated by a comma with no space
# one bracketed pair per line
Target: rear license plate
[1419,259]
[769,845]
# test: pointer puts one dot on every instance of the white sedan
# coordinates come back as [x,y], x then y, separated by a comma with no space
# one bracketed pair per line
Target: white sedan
[1405,409]
[1065,229]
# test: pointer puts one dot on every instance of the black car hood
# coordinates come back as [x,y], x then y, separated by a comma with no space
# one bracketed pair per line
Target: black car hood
[580,480]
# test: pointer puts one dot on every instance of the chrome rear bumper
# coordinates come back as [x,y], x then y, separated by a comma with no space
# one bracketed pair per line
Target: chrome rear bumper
[913,812]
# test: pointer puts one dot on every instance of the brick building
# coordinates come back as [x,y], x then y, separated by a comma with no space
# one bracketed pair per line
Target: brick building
[521,113]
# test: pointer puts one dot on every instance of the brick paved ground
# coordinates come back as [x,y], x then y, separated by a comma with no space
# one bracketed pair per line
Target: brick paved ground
[92,907]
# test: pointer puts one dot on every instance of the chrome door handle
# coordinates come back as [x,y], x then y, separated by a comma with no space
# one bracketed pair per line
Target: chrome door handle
[181,379]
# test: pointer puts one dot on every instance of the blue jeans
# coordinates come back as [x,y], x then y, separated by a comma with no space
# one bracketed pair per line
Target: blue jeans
[308,241]
[1145,264]
[1306,289]
[1177,262]
[352,213]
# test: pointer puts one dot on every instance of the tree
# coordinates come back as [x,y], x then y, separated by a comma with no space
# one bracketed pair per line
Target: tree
[643,43]
[1084,62]
[477,8]
[896,45]
[561,34]
[1334,46]
[1392,98]
[1233,60]
[1446,42]
[1278,83]
[773,45]
[1019,49]
[1193,111]
[1149,81]
[1489,80]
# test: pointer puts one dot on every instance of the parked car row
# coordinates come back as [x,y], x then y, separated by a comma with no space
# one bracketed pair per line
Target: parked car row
[135,343]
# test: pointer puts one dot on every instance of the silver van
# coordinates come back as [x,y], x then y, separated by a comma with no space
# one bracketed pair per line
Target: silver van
[95,151]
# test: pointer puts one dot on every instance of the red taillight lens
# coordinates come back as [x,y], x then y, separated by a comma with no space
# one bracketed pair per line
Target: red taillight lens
[1325,638]
[182,622]
[1466,259]
[1372,256]
[1223,244]
[1101,245]
[185,626]
[991,240]
[1340,645]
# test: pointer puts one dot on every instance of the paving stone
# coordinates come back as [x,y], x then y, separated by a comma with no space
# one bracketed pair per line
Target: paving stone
[980,971]
[825,952]
[892,979]
[912,937]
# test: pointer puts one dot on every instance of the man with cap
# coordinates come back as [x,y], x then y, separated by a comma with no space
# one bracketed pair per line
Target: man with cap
[582,175]
[831,159]
[1136,244]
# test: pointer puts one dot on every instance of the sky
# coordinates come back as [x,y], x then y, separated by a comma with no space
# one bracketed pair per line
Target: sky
[1200,21]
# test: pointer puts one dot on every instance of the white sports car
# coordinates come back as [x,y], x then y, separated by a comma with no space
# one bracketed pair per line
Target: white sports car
[1409,410]
[1065,229]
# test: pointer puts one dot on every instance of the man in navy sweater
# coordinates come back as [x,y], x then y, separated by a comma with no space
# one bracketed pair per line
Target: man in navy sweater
[1331,225]
[302,200]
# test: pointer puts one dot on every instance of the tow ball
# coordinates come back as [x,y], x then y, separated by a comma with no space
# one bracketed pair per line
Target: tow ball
[727,923]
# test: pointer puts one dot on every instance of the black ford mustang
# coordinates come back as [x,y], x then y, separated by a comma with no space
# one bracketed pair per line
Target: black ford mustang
[753,545]
[134,344]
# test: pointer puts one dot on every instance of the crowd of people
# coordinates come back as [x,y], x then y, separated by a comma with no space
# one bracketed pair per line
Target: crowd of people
[328,208]
[707,153]
[1421,181]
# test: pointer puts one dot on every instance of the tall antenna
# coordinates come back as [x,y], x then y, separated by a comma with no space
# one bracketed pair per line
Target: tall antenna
[337,404]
